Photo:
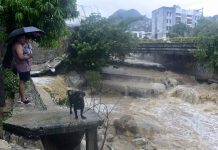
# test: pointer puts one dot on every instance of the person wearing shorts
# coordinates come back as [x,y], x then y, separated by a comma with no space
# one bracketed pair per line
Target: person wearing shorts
[24,76]
[22,65]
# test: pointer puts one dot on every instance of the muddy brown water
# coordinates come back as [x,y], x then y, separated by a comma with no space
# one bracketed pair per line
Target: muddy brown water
[169,122]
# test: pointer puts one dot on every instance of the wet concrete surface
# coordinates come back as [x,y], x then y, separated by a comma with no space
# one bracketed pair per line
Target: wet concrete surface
[36,124]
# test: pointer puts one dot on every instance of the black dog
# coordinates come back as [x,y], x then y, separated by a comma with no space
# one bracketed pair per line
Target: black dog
[76,98]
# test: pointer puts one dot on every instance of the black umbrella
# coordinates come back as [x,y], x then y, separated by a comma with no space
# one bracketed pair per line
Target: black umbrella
[33,32]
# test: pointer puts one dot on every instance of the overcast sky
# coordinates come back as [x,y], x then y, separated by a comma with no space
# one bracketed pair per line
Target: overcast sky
[145,7]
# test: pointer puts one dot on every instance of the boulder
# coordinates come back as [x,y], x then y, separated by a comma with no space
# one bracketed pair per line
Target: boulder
[209,96]
[187,94]
[170,82]
[213,86]
[4,145]
[126,125]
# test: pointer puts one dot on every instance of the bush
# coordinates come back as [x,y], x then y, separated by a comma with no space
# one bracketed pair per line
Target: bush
[10,83]
[207,52]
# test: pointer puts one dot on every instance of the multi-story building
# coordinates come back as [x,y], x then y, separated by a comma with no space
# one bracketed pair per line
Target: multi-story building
[141,34]
[165,17]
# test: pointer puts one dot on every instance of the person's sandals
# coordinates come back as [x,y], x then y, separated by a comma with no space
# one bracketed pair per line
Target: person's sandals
[24,102]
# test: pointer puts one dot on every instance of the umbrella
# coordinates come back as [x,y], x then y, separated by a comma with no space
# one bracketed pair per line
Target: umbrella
[33,32]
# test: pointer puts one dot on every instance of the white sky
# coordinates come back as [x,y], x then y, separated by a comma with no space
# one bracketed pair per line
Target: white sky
[145,7]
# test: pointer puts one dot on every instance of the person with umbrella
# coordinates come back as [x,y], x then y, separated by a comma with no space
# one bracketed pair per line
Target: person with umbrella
[22,66]
[22,56]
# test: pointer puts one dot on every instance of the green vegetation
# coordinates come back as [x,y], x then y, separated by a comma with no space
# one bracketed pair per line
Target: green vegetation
[206,27]
[124,16]
[10,83]
[180,30]
[93,79]
[207,53]
[126,22]
[3,117]
[48,15]
[207,33]
[184,39]
[96,42]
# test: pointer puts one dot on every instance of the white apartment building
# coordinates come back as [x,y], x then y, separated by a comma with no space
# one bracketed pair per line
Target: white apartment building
[141,34]
[165,17]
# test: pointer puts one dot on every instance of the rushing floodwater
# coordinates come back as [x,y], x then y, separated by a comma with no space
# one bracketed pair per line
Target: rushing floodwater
[175,124]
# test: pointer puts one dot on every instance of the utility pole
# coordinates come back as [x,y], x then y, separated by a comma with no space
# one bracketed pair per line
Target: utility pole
[83,9]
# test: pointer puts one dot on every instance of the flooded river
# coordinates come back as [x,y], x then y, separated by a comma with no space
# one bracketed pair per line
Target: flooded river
[172,110]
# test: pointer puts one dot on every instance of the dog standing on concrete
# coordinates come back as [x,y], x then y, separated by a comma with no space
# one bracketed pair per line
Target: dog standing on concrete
[76,98]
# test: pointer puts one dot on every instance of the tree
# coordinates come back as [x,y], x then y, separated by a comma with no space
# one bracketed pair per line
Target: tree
[97,41]
[206,27]
[207,53]
[48,15]
[180,30]
[207,33]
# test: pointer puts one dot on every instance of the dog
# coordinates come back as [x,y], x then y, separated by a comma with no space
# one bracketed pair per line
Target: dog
[76,98]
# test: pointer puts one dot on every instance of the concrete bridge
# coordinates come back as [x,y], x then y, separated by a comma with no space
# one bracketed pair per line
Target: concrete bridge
[173,56]
[167,48]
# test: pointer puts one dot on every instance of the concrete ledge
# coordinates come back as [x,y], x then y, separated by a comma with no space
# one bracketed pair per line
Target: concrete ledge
[36,124]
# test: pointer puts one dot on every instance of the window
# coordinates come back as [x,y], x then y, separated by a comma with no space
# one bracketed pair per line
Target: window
[167,20]
[189,21]
[178,19]
[178,14]
[189,16]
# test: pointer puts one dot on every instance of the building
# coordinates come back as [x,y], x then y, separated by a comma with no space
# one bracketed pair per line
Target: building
[165,17]
[141,34]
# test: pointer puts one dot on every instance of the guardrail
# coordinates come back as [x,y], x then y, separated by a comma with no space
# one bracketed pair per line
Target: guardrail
[167,48]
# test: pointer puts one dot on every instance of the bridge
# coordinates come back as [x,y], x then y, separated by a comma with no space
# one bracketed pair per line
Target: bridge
[167,48]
